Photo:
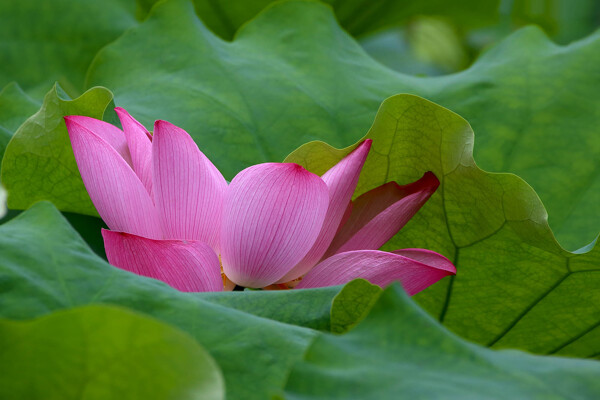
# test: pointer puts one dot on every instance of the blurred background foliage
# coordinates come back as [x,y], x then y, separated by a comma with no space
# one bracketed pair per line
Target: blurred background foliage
[424,38]
[437,43]
[45,42]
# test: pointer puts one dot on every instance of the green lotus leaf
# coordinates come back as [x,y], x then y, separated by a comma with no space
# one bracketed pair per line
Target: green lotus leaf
[352,304]
[269,97]
[103,352]
[48,41]
[399,352]
[46,266]
[359,17]
[515,286]
[39,162]
[292,75]
[15,108]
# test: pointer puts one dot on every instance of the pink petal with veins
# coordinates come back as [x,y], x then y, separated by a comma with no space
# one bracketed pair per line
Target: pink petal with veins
[379,214]
[188,266]
[107,132]
[119,196]
[272,216]
[341,181]
[188,188]
[380,268]
[140,147]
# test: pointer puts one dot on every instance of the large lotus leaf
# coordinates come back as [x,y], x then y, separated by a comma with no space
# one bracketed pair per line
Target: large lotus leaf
[45,266]
[103,352]
[47,41]
[515,286]
[39,162]
[15,108]
[399,352]
[293,75]
[359,17]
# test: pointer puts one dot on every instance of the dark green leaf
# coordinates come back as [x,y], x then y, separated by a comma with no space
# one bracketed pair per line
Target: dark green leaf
[309,308]
[399,352]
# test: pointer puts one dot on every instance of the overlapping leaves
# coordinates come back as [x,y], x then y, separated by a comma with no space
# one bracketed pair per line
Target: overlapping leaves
[15,108]
[399,352]
[279,85]
[515,286]
[46,267]
[532,103]
[40,164]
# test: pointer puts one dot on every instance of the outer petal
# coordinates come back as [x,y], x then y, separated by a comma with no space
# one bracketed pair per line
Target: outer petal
[109,133]
[188,188]
[381,268]
[140,147]
[187,266]
[379,214]
[272,216]
[119,196]
[341,180]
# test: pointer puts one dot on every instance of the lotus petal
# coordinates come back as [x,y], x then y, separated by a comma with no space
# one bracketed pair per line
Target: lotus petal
[272,216]
[381,268]
[379,214]
[108,132]
[118,194]
[140,147]
[188,266]
[188,188]
[341,181]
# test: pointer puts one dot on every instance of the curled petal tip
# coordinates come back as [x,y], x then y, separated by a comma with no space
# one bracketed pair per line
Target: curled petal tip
[161,123]
[121,112]
[431,180]
[380,213]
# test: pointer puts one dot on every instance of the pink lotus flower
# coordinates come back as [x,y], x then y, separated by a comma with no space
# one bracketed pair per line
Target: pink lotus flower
[173,217]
